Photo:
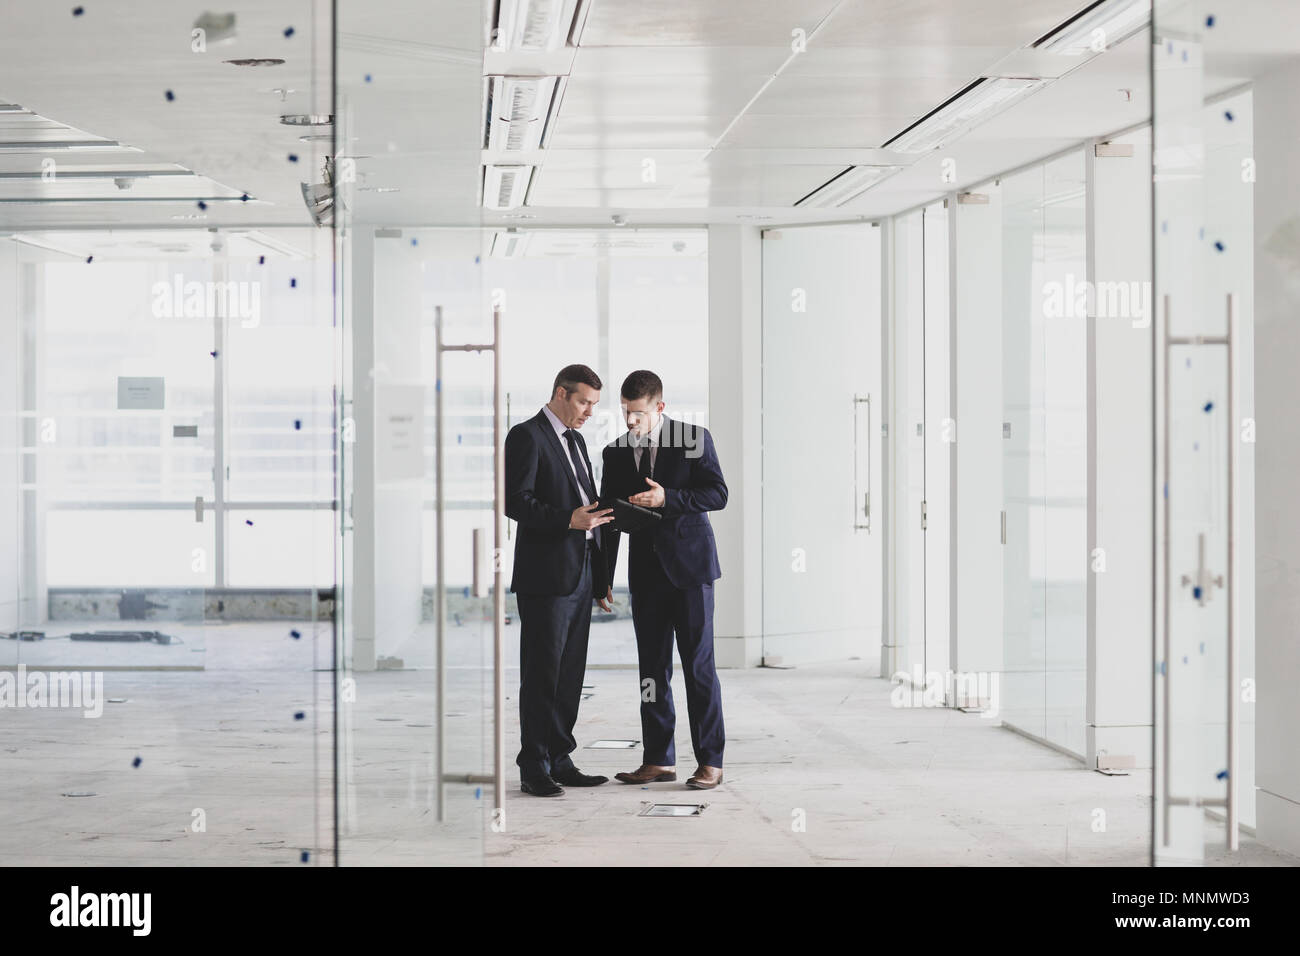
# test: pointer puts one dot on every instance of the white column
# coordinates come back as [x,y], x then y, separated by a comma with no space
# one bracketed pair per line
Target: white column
[977,496]
[1118,704]
[735,421]
[387,402]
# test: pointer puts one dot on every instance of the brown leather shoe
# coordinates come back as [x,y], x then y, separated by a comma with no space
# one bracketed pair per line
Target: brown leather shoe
[648,773]
[705,778]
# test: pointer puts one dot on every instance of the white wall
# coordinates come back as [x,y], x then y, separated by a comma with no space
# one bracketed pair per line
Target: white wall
[1277,457]
[11,352]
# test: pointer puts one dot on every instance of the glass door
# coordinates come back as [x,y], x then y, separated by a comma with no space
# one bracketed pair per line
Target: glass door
[1204,778]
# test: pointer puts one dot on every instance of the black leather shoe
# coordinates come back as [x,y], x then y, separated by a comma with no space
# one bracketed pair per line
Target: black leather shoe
[542,787]
[573,777]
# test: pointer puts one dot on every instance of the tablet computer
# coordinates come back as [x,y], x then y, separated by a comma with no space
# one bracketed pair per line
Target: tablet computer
[629,517]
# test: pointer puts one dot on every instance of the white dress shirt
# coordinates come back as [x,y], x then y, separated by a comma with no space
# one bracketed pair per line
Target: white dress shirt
[560,429]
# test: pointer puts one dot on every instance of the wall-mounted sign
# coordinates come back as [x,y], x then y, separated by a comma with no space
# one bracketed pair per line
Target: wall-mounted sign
[139,392]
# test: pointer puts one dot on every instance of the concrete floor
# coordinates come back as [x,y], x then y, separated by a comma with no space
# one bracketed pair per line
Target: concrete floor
[875,784]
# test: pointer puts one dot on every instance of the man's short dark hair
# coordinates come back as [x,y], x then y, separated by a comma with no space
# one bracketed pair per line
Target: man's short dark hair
[643,384]
[571,376]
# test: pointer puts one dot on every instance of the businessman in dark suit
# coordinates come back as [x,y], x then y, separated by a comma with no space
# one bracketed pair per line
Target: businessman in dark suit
[671,467]
[559,570]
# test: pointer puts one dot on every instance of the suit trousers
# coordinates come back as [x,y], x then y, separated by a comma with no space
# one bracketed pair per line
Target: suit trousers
[658,610]
[553,633]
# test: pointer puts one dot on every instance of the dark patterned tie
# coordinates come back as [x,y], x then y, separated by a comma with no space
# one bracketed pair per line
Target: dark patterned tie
[646,468]
[584,479]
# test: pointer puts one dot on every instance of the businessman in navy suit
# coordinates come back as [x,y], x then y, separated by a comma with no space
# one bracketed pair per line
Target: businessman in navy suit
[559,570]
[671,467]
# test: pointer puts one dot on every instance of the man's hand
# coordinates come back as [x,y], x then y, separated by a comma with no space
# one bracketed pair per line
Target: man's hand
[607,602]
[588,517]
[654,498]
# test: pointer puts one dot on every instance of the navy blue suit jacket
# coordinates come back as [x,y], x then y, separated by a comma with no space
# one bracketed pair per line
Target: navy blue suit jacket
[687,467]
[541,494]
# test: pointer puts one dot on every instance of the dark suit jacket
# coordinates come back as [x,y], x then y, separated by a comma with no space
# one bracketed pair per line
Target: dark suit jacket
[687,467]
[541,493]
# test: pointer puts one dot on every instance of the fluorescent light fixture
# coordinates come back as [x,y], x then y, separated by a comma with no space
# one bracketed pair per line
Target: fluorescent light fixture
[538,25]
[65,174]
[307,119]
[505,187]
[981,101]
[508,245]
[46,245]
[43,146]
[847,186]
[518,111]
[1105,25]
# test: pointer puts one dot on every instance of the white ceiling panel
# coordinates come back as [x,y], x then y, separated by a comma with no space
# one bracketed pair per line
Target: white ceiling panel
[759,185]
[843,97]
[894,63]
[697,94]
[815,131]
[701,22]
[638,132]
[945,24]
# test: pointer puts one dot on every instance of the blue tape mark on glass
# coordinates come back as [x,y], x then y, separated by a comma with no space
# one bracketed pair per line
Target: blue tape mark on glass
[202,204]
[288,31]
[1227,114]
[136,762]
[293,283]
[478,793]
[305,856]
[367,77]
[293,157]
[1209,20]
[1209,407]
[1221,775]
[299,715]
[297,424]
[1218,245]
[1196,593]
[295,634]
[89,259]
[78,11]
[261,260]
[170,95]
[248,521]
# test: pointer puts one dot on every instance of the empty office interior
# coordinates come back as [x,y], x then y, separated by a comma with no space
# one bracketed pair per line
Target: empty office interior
[988,307]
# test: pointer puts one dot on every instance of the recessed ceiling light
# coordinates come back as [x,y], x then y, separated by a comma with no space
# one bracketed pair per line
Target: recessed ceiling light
[256,61]
[38,146]
[307,119]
